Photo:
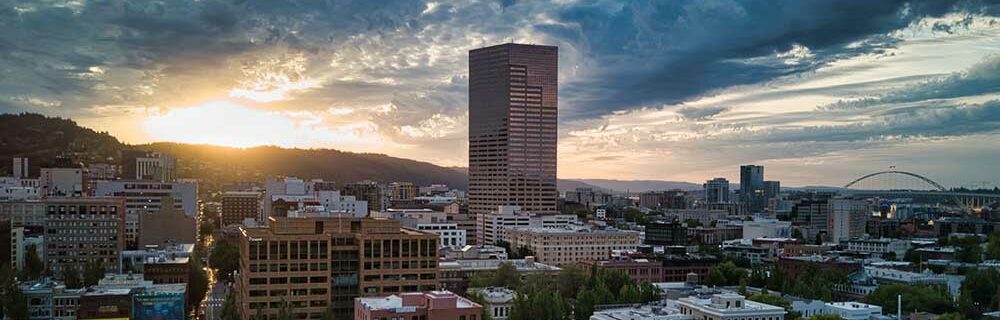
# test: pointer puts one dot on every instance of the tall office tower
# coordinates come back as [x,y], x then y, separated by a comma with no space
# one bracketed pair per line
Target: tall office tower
[752,188]
[512,128]
[148,165]
[79,231]
[717,190]
[20,168]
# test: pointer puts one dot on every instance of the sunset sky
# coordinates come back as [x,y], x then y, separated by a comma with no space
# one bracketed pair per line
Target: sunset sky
[817,91]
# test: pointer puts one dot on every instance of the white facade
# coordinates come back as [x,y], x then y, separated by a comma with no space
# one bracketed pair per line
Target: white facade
[601,213]
[728,306]
[21,168]
[66,182]
[498,300]
[879,246]
[450,234]
[335,202]
[292,189]
[854,310]
[847,219]
[766,228]
[491,226]
[146,196]
[30,213]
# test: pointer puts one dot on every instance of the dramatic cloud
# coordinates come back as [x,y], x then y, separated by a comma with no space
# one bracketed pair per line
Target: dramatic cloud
[648,89]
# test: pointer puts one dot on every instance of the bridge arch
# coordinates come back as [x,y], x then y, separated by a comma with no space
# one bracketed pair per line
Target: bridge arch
[922,178]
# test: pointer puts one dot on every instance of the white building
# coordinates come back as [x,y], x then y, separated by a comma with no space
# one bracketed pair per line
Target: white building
[67,182]
[310,193]
[665,310]
[450,234]
[885,275]
[498,301]
[854,310]
[879,246]
[728,306]
[21,168]
[601,213]
[847,219]
[491,226]
[146,196]
[766,228]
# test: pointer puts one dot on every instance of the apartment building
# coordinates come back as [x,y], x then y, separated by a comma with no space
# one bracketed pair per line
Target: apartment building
[83,230]
[568,245]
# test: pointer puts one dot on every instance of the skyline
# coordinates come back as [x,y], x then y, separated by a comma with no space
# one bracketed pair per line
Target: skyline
[717,84]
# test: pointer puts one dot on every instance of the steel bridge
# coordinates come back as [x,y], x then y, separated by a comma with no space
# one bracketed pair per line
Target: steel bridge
[967,200]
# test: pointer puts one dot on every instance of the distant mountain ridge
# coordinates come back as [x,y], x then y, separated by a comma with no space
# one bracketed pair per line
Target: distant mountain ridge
[42,139]
[623,186]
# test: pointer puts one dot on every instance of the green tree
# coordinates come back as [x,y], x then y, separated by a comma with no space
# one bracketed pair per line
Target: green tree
[197,281]
[629,294]
[71,277]
[230,310]
[92,273]
[570,279]
[969,249]
[951,316]
[15,302]
[993,246]
[507,276]
[539,305]
[224,258]
[826,316]
[583,307]
[725,274]
[285,311]
[649,292]
[33,265]
[979,291]
[932,299]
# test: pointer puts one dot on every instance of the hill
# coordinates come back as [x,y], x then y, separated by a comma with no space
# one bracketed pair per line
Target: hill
[42,139]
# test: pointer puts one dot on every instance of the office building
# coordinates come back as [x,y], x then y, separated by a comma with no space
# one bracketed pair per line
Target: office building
[847,219]
[491,226]
[674,199]
[666,233]
[83,230]
[588,197]
[717,190]
[368,191]
[167,226]
[238,206]
[513,106]
[766,228]
[50,300]
[148,196]
[879,247]
[403,191]
[320,263]
[459,214]
[62,182]
[437,305]
[728,306]
[24,213]
[148,166]
[448,233]
[570,245]
[752,188]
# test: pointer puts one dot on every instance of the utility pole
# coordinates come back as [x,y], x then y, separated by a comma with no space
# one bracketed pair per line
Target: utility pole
[899,306]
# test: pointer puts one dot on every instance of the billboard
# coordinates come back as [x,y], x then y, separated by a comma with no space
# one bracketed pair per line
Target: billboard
[158,306]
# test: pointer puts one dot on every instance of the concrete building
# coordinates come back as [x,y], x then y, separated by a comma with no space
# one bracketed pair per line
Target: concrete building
[135,260]
[513,106]
[374,194]
[642,312]
[458,214]
[673,199]
[879,246]
[498,301]
[766,228]
[147,196]
[50,300]
[83,230]
[167,226]
[148,166]
[717,190]
[62,182]
[715,235]
[569,245]
[471,252]
[291,194]
[847,219]
[403,191]
[728,306]
[320,263]
[239,205]
[448,233]
[24,213]
[588,197]
[491,227]
[437,305]
[850,310]
[20,167]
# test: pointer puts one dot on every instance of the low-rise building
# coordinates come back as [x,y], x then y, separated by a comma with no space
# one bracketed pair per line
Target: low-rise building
[880,246]
[498,301]
[455,275]
[448,233]
[766,228]
[437,305]
[471,252]
[728,306]
[49,299]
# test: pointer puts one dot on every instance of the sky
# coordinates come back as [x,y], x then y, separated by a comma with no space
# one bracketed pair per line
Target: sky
[819,92]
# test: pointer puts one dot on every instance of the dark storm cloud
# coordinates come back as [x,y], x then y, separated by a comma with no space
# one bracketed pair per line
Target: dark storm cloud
[665,52]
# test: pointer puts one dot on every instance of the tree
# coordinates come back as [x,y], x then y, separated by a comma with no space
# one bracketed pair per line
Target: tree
[649,292]
[993,246]
[570,279]
[969,249]
[479,298]
[285,311]
[229,309]
[523,251]
[93,272]
[507,276]
[15,302]
[629,294]
[932,299]
[224,258]
[952,316]
[71,277]
[826,316]
[197,281]
[725,274]
[33,265]
[979,291]
[773,300]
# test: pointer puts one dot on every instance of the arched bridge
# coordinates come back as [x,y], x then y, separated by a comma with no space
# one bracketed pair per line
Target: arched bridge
[968,200]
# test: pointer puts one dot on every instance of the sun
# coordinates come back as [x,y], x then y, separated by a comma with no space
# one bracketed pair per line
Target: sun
[219,122]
